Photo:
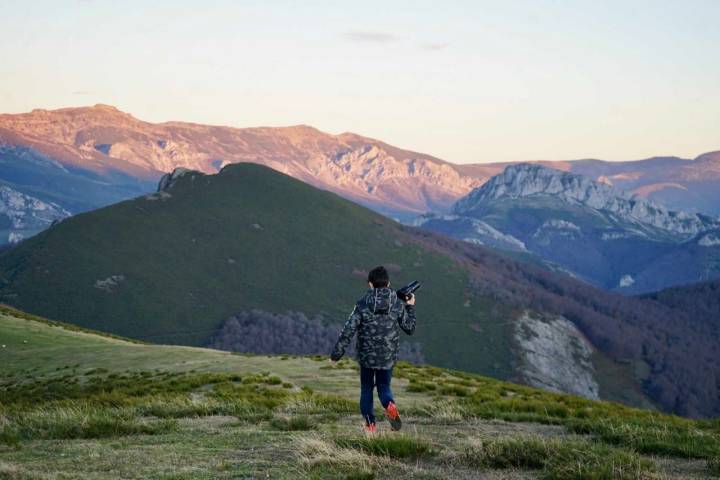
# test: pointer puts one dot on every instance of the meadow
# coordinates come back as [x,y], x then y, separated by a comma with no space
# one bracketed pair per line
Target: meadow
[77,404]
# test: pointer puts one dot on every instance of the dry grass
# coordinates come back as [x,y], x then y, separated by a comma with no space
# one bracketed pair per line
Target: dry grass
[444,411]
[319,455]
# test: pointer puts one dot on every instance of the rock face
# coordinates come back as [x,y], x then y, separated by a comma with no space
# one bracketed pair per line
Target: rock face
[613,239]
[527,180]
[22,215]
[555,355]
[470,230]
[169,179]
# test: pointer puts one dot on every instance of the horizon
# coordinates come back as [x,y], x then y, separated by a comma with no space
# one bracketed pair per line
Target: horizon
[467,83]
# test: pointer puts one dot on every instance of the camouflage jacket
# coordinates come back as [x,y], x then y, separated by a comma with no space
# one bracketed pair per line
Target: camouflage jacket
[377,319]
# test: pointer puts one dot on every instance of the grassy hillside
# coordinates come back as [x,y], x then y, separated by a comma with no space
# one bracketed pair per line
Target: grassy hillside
[173,266]
[74,404]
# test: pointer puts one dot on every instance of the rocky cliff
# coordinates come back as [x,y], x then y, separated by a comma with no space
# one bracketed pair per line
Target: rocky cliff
[23,215]
[528,180]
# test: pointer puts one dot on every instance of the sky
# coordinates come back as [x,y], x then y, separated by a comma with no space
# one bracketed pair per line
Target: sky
[466,81]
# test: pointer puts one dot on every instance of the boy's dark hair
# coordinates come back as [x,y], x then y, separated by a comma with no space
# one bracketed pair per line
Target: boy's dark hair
[379,277]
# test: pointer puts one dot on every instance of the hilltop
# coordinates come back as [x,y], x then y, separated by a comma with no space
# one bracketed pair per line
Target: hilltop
[77,404]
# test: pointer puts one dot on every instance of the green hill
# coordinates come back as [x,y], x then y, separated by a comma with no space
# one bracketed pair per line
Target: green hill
[75,404]
[173,266]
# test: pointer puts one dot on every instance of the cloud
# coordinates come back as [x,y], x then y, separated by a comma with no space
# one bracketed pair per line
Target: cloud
[435,46]
[370,36]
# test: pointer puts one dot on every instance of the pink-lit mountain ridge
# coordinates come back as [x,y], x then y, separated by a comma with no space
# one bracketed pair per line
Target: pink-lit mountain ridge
[83,158]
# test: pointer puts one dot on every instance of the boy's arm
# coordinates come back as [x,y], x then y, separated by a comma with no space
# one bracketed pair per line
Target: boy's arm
[407,319]
[348,332]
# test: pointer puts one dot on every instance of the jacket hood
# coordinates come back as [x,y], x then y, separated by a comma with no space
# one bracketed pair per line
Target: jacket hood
[380,299]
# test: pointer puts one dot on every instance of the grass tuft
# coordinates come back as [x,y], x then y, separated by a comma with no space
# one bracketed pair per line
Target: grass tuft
[652,438]
[529,453]
[80,422]
[325,459]
[560,459]
[394,446]
[292,424]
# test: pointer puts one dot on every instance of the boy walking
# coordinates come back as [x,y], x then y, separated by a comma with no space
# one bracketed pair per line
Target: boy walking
[377,319]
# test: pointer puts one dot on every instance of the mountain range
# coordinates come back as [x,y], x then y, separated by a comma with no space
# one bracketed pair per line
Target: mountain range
[207,256]
[589,229]
[88,157]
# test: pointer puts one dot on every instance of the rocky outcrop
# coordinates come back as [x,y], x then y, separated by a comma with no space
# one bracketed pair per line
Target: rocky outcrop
[554,355]
[169,179]
[710,240]
[528,180]
[22,215]
[470,230]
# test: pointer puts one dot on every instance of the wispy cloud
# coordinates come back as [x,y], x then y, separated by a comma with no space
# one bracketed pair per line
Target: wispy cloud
[434,46]
[370,36]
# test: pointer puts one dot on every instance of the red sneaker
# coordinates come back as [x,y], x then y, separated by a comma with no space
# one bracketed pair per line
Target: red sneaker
[392,414]
[370,429]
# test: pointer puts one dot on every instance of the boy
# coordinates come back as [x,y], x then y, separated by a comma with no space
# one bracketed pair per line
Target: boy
[377,318]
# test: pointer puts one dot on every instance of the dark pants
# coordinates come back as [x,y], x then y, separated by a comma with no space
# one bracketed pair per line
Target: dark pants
[370,378]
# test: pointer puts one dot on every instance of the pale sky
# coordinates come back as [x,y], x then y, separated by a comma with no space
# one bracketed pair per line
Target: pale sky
[467,81]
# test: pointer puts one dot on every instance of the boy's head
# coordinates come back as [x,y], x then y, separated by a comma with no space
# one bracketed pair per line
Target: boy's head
[378,277]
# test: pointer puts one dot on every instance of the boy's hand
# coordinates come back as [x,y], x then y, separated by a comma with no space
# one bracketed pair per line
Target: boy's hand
[411,300]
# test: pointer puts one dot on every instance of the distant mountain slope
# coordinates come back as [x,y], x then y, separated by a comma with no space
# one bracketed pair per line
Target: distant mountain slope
[701,301]
[101,139]
[176,265]
[101,145]
[607,237]
[692,185]
[76,189]
[23,216]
